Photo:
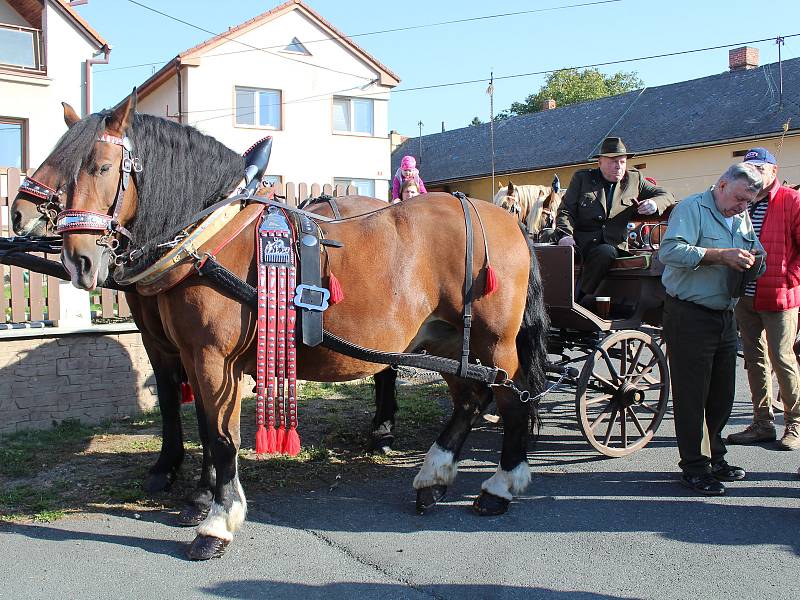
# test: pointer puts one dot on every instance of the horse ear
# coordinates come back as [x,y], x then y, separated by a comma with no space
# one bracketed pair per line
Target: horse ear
[510,189]
[122,116]
[70,116]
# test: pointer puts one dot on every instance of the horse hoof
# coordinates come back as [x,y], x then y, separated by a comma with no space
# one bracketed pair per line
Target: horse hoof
[158,482]
[205,547]
[489,505]
[192,515]
[427,497]
[382,445]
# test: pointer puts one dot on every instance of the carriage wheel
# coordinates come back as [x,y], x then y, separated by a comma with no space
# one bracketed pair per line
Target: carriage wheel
[622,393]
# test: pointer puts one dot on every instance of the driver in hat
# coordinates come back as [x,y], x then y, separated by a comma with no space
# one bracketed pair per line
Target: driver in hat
[597,207]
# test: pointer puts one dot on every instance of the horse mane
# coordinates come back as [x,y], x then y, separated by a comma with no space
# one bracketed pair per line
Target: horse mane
[183,172]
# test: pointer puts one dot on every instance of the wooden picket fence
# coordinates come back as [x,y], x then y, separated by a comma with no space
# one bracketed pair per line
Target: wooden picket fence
[32,298]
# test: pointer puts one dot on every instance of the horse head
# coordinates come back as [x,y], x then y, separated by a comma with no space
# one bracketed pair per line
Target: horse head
[38,201]
[510,202]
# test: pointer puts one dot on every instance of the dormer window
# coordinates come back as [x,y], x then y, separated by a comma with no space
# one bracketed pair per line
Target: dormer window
[296,47]
[21,47]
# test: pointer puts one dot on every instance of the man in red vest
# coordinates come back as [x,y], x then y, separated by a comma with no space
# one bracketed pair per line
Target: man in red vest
[767,312]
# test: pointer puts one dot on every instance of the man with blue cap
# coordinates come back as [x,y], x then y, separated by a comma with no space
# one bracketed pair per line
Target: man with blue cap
[767,311]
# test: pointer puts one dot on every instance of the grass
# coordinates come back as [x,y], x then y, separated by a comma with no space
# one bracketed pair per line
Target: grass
[26,452]
[73,467]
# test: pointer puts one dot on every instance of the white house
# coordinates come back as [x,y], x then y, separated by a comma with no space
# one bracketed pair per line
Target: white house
[46,54]
[290,74]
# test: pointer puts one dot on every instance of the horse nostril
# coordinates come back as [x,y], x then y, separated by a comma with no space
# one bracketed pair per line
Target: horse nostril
[85,264]
[16,220]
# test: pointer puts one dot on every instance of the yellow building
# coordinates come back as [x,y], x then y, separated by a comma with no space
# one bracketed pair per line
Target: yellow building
[684,134]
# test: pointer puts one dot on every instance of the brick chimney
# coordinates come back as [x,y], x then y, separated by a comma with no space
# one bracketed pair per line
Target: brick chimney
[743,58]
[548,104]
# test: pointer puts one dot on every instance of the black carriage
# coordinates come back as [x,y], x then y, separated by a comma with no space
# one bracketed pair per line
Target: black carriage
[622,389]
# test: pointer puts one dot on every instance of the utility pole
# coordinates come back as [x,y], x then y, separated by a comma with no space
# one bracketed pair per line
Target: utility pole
[490,91]
[779,42]
[419,162]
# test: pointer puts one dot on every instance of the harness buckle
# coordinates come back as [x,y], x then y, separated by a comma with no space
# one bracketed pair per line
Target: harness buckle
[306,297]
[127,164]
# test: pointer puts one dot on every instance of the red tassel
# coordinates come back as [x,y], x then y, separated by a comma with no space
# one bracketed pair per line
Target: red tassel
[335,288]
[491,281]
[280,440]
[261,439]
[187,396]
[292,446]
[272,440]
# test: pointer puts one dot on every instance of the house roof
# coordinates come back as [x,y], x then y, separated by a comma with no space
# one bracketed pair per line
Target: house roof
[730,106]
[31,11]
[387,77]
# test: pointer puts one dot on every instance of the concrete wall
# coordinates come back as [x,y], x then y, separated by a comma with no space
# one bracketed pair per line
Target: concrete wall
[90,376]
[682,172]
[305,146]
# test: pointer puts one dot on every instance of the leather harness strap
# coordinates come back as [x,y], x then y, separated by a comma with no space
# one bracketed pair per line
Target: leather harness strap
[469,281]
[310,295]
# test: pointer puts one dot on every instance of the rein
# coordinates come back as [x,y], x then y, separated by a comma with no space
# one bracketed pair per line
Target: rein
[70,220]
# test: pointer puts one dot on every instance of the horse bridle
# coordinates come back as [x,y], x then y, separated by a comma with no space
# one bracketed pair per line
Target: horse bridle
[47,200]
[72,219]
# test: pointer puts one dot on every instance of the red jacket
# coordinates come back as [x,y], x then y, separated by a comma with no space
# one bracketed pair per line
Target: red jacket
[779,287]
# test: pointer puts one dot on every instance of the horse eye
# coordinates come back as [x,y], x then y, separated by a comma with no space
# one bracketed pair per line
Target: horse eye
[105,168]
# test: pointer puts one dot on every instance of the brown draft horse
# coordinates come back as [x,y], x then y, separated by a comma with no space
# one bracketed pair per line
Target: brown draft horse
[402,271]
[534,205]
[29,218]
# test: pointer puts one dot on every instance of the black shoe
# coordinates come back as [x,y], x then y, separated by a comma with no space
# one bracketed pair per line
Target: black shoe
[722,471]
[703,484]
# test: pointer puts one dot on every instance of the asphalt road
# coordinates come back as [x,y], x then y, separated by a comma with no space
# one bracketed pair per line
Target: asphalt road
[587,528]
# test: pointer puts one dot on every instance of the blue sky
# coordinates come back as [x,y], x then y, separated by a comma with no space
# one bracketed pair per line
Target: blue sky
[449,53]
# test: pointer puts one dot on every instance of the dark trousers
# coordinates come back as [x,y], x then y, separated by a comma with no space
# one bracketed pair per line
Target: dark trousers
[701,346]
[597,261]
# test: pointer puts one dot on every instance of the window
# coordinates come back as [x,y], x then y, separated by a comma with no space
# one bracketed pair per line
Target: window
[20,47]
[12,143]
[258,108]
[366,187]
[296,47]
[353,115]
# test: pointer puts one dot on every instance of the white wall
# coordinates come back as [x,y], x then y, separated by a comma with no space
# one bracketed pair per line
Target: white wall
[38,99]
[305,148]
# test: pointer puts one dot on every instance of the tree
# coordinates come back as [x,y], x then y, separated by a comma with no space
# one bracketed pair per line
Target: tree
[570,86]
[475,122]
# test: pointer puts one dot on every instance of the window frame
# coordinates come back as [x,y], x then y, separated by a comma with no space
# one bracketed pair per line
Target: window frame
[256,90]
[23,124]
[351,180]
[351,116]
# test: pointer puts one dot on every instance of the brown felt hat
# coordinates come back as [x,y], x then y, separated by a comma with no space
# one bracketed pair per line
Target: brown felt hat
[613,146]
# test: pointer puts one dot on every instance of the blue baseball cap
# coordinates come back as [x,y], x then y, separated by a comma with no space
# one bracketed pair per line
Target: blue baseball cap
[760,156]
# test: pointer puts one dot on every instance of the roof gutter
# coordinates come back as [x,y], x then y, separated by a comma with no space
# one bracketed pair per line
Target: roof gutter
[106,50]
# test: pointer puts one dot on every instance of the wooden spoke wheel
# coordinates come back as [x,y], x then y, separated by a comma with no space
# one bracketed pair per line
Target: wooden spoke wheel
[622,393]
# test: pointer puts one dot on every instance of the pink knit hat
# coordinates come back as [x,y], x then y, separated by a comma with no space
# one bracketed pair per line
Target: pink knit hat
[408,162]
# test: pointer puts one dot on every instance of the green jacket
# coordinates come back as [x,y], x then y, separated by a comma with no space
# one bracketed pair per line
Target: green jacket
[583,213]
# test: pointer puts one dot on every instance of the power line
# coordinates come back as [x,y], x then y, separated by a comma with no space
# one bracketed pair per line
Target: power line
[362,34]
[518,75]
[163,14]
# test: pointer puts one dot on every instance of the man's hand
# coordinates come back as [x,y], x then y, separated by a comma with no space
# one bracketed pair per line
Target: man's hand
[648,207]
[567,240]
[735,258]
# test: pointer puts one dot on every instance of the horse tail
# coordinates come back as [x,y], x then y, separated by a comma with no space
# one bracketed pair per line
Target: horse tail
[532,335]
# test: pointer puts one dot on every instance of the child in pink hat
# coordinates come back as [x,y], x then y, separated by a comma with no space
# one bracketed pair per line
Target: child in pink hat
[407,170]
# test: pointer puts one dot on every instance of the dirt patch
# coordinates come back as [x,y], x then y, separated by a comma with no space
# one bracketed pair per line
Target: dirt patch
[73,468]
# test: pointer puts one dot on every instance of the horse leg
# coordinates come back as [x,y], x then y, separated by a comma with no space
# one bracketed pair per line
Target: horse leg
[439,468]
[199,501]
[513,473]
[166,369]
[385,410]
[219,385]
